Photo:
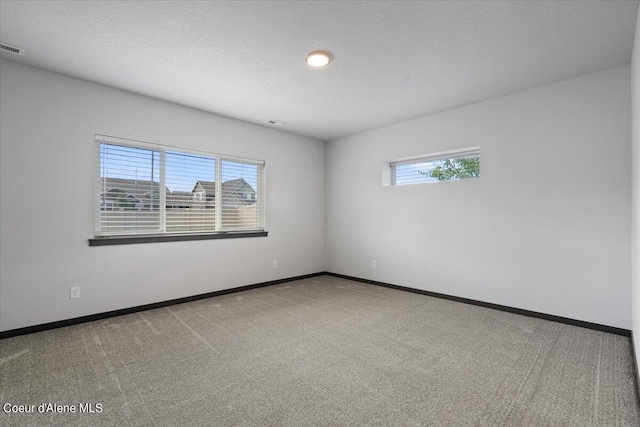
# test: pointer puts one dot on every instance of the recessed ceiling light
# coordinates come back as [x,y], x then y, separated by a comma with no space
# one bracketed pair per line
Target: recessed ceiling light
[318,58]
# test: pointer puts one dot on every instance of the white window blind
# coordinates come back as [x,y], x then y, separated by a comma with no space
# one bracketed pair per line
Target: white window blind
[148,189]
[190,201]
[444,166]
[240,182]
[127,192]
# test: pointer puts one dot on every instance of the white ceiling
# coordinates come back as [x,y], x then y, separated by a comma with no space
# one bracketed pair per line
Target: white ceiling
[393,60]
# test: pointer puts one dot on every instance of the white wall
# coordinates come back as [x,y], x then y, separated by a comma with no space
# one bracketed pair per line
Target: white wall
[545,228]
[48,122]
[635,197]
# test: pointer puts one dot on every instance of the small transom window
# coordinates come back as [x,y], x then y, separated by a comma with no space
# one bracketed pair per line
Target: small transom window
[444,166]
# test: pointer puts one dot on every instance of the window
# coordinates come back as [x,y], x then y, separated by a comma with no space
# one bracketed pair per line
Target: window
[445,166]
[147,189]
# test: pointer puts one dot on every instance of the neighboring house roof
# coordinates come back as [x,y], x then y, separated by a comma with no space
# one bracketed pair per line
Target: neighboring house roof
[229,188]
[234,185]
[115,193]
[233,191]
[139,189]
[208,187]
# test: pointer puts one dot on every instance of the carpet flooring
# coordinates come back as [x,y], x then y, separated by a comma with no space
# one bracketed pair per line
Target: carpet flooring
[321,351]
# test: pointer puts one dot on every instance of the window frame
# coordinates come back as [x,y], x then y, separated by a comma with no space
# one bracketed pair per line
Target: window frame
[427,158]
[161,235]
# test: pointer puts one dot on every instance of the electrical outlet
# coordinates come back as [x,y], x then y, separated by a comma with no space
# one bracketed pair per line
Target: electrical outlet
[374,264]
[74,293]
[275,264]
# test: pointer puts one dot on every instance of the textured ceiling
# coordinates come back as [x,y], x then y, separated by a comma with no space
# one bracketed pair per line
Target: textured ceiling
[393,60]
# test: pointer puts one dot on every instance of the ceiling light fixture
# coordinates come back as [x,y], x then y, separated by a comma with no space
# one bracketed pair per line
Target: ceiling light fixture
[318,58]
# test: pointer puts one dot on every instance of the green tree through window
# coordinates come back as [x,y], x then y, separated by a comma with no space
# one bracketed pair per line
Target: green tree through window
[123,202]
[457,168]
[443,166]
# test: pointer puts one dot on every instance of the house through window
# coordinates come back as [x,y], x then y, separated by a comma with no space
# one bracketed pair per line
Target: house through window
[144,188]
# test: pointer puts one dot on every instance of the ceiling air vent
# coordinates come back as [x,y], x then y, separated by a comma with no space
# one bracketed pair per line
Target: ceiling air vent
[11,49]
